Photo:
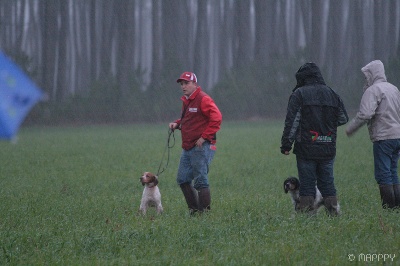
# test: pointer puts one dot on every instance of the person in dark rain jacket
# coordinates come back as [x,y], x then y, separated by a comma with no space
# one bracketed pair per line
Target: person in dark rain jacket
[313,114]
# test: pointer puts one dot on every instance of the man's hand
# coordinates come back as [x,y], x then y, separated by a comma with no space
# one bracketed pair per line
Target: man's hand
[348,133]
[173,126]
[199,142]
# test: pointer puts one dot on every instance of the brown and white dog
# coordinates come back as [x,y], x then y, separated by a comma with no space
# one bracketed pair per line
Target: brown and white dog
[151,194]
[292,185]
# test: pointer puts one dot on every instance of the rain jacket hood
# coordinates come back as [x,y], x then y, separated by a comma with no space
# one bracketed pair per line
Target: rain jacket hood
[379,106]
[307,74]
[374,72]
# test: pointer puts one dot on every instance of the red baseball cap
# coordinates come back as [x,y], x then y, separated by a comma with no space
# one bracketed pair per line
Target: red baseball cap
[188,76]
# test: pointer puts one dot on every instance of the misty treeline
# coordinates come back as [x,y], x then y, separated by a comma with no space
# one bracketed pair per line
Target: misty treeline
[118,60]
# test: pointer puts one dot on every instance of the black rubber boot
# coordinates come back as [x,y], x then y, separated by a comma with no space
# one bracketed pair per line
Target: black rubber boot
[305,204]
[387,196]
[204,199]
[191,197]
[396,190]
[331,205]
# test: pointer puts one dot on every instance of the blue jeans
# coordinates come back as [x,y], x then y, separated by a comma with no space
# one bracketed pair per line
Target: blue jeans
[194,165]
[316,172]
[386,157]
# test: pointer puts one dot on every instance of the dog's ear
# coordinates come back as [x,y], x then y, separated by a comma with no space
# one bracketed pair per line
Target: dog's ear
[297,182]
[284,186]
[155,181]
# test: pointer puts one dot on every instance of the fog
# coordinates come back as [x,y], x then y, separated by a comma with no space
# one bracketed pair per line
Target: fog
[105,60]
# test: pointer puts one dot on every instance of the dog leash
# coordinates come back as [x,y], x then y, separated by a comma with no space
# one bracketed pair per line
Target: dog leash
[167,147]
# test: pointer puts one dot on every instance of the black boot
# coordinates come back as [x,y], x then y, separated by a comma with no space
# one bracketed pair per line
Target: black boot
[204,199]
[305,204]
[191,197]
[396,190]
[331,205]
[387,196]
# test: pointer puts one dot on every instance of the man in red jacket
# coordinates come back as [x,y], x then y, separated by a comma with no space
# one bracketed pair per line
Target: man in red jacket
[199,123]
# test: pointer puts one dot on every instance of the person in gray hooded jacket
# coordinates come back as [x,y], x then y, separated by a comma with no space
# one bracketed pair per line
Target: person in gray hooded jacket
[380,110]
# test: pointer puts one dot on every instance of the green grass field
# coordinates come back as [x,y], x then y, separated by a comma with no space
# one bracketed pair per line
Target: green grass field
[69,196]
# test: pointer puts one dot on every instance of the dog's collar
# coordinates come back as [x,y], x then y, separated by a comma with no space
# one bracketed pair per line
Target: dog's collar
[151,185]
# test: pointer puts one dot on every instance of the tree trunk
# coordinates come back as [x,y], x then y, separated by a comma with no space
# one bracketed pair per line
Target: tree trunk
[62,88]
[125,20]
[49,46]
[243,36]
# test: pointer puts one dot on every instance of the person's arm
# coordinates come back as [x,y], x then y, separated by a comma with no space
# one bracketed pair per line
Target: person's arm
[368,105]
[292,123]
[343,117]
[177,123]
[210,109]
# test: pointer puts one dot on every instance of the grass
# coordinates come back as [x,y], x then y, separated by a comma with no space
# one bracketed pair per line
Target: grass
[69,196]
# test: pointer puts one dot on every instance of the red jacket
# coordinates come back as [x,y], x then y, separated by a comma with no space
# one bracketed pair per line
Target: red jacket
[200,118]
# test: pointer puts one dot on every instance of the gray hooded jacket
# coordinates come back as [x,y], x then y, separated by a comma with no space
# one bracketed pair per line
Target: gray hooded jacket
[379,107]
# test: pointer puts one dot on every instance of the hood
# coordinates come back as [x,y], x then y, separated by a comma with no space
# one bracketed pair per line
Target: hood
[308,73]
[374,72]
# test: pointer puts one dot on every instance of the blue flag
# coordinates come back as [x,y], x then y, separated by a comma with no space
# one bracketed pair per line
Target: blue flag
[18,94]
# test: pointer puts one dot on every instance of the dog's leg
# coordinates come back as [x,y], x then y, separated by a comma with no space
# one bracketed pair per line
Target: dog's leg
[142,210]
[143,207]
[319,201]
[159,208]
[294,196]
